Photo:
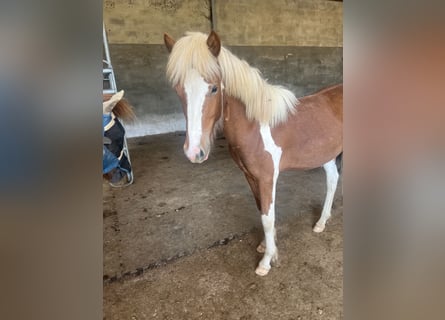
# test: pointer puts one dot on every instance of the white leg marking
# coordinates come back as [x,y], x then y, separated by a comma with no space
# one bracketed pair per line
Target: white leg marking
[196,89]
[331,181]
[262,246]
[271,253]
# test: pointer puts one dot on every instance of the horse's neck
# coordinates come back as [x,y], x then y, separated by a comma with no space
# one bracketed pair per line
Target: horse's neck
[235,122]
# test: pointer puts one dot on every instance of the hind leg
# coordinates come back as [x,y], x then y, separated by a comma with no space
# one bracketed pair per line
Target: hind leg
[331,181]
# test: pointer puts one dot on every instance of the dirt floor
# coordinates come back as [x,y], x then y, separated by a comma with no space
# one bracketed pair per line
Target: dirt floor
[180,242]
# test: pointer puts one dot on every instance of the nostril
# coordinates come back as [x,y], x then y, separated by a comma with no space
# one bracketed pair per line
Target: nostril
[201,154]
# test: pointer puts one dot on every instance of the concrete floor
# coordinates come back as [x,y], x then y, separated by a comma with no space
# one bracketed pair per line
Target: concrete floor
[180,242]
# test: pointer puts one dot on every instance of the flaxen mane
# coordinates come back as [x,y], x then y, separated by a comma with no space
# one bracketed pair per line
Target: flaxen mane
[264,102]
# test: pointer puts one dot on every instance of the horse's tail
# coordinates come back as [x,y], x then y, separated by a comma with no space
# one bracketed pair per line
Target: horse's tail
[123,110]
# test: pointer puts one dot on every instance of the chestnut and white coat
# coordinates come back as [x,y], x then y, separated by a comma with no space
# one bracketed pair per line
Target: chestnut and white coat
[267,128]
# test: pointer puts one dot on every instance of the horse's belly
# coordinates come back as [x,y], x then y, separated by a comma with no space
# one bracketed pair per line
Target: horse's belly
[313,155]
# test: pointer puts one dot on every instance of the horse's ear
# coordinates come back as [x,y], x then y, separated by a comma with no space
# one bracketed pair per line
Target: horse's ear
[214,43]
[169,42]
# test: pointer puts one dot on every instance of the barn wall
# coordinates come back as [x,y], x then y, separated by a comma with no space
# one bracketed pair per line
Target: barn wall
[296,43]
[280,22]
[145,21]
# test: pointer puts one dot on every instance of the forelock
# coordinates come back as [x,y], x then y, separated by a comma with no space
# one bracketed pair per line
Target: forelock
[191,52]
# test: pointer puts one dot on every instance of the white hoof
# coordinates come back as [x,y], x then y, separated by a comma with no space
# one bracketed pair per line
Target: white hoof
[262,271]
[318,228]
[261,248]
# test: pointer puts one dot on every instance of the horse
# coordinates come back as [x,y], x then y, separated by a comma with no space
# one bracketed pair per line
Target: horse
[116,166]
[267,128]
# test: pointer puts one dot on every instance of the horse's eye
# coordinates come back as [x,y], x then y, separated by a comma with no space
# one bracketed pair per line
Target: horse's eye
[214,89]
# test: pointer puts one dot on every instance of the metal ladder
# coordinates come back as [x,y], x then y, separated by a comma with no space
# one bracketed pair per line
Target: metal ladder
[109,86]
[109,80]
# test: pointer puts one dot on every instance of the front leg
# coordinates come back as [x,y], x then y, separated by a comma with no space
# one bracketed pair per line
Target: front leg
[267,189]
[253,183]
[261,168]
[267,195]
[263,189]
[261,248]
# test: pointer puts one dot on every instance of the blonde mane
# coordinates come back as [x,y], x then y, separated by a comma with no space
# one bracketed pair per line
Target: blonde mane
[264,102]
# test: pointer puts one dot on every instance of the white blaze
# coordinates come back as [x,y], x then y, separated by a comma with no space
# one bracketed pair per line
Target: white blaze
[196,89]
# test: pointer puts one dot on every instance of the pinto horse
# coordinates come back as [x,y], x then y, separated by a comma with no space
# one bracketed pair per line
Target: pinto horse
[267,128]
[116,168]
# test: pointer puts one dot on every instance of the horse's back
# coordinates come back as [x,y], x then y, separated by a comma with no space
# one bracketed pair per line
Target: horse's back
[335,95]
[334,99]
[313,135]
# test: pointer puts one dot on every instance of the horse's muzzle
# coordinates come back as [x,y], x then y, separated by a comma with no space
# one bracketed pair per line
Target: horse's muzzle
[196,154]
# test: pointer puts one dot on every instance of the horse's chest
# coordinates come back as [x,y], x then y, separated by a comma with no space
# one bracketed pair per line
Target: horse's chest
[251,158]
